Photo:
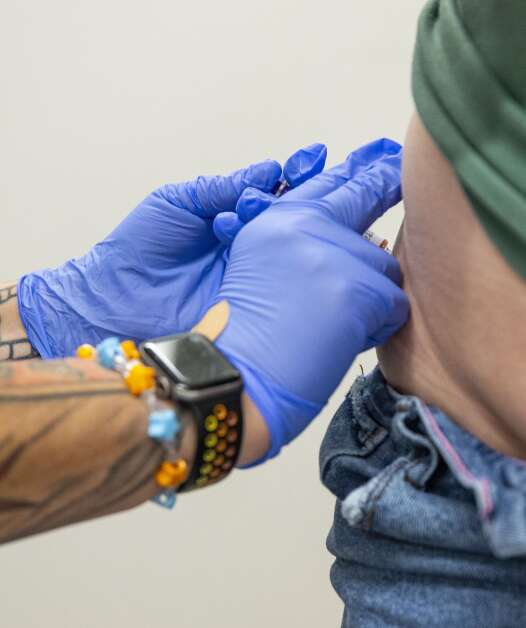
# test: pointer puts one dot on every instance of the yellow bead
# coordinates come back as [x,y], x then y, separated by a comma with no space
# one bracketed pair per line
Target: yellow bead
[86,352]
[206,469]
[172,474]
[129,348]
[220,411]
[209,455]
[200,482]
[211,441]
[140,378]
[211,423]
[163,479]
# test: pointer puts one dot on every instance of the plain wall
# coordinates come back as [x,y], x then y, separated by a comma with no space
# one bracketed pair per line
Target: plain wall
[103,101]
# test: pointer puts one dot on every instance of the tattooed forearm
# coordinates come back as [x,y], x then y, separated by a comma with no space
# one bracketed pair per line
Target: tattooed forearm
[73,446]
[14,344]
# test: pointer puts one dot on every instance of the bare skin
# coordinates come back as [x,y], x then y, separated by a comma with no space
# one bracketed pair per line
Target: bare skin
[73,441]
[464,346]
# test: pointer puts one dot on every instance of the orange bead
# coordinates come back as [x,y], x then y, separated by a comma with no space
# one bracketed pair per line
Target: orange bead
[86,352]
[232,419]
[140,378]
[129,348]
[215,473]
[222,430]
[220,411]
[221,446]
[219,460]
[172,474]
[232,436]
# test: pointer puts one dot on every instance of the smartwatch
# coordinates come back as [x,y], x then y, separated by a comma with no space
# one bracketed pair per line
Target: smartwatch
[201,382]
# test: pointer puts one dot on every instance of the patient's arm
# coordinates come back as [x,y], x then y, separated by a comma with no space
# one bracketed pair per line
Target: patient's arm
[464,346]
[14,344]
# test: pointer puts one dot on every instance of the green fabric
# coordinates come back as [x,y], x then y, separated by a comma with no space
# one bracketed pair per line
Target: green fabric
[469,85]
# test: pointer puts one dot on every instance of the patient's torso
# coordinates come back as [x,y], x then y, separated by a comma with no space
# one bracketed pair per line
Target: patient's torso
[463,348]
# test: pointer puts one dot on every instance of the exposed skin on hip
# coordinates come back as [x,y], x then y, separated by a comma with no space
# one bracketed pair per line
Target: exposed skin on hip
[463,348]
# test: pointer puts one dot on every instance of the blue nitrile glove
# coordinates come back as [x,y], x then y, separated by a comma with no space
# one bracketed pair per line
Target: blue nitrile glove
[308,293]
[299,167]
[155,274]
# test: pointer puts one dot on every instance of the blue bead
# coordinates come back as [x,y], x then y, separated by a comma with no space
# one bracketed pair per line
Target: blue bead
[166,499]
[163,425]
[107,350]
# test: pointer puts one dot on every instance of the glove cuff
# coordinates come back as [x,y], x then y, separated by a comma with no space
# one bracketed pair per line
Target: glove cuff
[285,414]
[32,317]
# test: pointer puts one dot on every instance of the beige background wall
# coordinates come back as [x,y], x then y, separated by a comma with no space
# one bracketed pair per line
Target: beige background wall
[102,101]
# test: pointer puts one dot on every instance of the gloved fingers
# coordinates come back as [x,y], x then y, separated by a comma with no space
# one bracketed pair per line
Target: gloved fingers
[209,196]
[253,202]
[356,162]
[382,336]
[365,255]
[226,226]
[361,201]
[384,263]
[304,164]
[392,311]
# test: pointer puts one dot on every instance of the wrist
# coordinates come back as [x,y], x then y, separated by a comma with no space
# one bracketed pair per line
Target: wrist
[256,439]
[65,306]
[32,314]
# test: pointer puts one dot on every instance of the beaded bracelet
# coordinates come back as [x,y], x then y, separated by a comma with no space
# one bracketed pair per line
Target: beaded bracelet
[164,425]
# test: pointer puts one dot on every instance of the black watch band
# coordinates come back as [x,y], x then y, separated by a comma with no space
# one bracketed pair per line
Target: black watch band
[206,388]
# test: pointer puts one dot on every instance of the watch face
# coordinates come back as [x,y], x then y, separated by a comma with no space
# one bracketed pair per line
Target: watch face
[192,360]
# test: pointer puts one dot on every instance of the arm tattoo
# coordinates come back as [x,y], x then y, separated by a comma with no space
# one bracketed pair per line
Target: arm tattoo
[14,344]
[6,294]
[73,446]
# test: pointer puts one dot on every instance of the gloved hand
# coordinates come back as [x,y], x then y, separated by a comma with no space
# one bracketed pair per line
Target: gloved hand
[308,293]
[159,270]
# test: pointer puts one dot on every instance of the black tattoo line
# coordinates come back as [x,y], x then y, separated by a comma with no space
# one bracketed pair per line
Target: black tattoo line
[6,294]
[21,348]
[12,356]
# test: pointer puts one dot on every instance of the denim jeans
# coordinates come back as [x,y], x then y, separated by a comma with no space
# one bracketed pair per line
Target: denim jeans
[430,523]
